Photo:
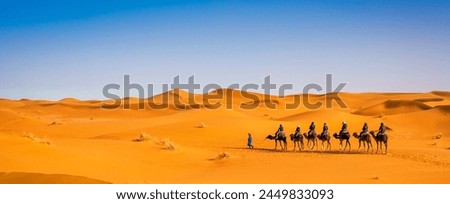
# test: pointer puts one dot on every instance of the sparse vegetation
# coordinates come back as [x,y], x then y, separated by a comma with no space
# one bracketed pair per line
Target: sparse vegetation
[168,145]
[222,155]
[142,138]
[202,125]
[165,143]
[41,140]
[55,123]
[437,136]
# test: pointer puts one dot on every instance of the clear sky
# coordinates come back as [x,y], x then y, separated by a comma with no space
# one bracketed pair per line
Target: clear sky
[57,49]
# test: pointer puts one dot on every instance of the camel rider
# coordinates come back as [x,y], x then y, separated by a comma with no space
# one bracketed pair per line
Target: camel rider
[344,128]
[297,131]
[325,130]
[312,128]
[382,129]
[365,129]
[279,131]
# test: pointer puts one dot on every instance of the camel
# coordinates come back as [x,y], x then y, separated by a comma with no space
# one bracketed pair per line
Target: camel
[298,141]
[312,138]
[281,139]
[365,139]
[325,138]
[379,139]
[342,137]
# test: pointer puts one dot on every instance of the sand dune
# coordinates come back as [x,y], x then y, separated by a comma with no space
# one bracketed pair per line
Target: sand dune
[392,107]
[445,94]
[443,108]
[36,178]
[75,141]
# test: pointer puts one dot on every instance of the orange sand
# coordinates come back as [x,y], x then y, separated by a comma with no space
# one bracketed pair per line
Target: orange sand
[73,141]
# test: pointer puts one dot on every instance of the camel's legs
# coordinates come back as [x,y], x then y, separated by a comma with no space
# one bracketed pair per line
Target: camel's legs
[346,143]
[359,146]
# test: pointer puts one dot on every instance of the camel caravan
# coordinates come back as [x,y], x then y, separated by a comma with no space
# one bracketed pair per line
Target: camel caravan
[312,138]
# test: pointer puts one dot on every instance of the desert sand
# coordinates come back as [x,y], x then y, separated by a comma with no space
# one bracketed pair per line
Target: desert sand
[74,141]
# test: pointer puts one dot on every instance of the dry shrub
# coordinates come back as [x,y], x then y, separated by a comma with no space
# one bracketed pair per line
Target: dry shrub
[221,156]
[142,137]
[165,143]
[437,136]
[55,123]
[202,125]
[41,140]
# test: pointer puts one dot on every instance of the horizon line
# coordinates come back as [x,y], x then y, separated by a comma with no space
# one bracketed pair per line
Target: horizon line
[226,89]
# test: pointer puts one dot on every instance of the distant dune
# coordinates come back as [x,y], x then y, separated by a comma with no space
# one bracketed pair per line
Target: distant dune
[391,107]
[193,141]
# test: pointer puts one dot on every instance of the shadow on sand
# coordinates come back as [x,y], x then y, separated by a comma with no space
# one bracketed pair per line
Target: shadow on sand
[300,152]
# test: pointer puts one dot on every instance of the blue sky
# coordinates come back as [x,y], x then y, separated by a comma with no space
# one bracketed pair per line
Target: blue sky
[57,49]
